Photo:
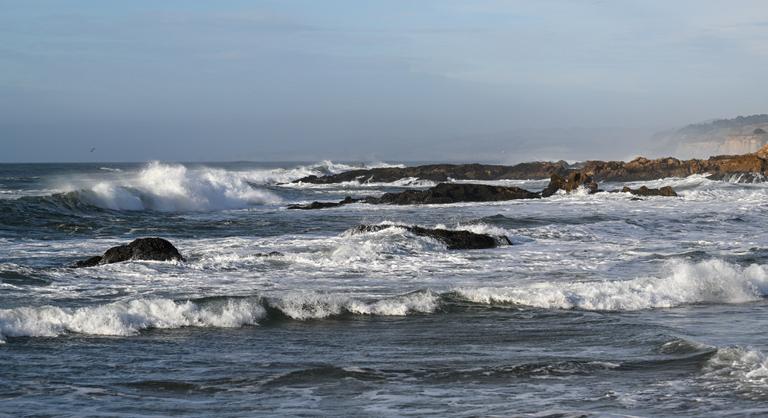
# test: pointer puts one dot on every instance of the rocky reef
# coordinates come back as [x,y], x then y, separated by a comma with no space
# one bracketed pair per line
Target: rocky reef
[445,172]
[157,249]
[645,191]
[750,166]
[454,240]
[440,194]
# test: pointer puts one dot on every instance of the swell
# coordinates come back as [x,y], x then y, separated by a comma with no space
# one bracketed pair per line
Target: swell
[712,281]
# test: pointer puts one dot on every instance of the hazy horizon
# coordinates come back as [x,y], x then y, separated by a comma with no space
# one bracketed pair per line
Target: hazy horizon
[488,81]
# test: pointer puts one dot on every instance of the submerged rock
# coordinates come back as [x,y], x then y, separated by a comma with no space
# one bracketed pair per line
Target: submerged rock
[454,240]
[156,249]
[645,191]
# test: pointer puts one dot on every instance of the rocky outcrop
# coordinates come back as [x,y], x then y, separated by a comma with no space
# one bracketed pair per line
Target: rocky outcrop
[454,240]
[753,165]
[445,172]
[323,205]
[442,193]
[644,169]
[573,182]
[645,191]
[454,193]
[156,249]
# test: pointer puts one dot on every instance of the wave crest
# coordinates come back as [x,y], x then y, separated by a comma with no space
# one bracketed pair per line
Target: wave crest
[711,281]
[175,188]
[126,318]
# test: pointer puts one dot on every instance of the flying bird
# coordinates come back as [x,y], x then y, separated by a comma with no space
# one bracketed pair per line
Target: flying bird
[93,149]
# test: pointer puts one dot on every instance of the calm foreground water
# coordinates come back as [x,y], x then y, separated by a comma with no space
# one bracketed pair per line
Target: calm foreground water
[604,306]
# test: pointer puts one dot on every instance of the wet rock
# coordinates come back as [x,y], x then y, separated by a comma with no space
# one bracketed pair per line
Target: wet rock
[645,191]
[454,240]
[444,172]
[270,254]
[323,205]
[156,249]
[646,169]
[573,182]
[89,262]
[454,193]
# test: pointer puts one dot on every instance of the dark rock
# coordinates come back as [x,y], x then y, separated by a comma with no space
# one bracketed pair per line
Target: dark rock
[89,262]
[645,191]
[454,193]
[323,205]
[444,172]
[156,249]
[270,254]
[556,182]
[578,179]
[454,240]
[573,182]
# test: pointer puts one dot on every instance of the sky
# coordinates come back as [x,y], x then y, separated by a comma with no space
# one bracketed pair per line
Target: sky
[391,80]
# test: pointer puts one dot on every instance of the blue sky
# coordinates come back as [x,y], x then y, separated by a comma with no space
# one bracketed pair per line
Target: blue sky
[369,80]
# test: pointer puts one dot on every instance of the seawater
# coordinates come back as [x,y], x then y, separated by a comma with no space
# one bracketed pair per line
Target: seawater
[603,305]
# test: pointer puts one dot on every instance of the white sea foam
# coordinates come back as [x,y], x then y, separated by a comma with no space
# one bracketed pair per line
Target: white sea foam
[286,175]
[312,305]
[126,318]
[740,368]
[712,281]
[130,317]
[172,187]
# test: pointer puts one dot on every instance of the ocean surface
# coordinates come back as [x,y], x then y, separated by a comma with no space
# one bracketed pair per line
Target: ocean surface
[603,305]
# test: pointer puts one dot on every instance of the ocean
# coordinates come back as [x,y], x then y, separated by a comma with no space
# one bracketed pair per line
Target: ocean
[603,305]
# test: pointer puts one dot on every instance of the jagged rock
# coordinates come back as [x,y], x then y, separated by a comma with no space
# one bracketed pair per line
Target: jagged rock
[645,191]
[444,172]
[573,182]
[578,179]
[322,205]
[454,240]
[454,193]
[556,182]
[156,249]
[644,169]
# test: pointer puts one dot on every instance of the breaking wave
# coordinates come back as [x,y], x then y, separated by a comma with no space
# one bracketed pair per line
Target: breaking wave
[175,188]
[711,281]
[130,317]
[740,369]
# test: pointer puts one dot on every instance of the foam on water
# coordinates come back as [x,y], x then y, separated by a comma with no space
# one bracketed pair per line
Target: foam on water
[739,368]
[286,175]
[129,317]
[312,305]
[173,187]
[126,318]
[712,281]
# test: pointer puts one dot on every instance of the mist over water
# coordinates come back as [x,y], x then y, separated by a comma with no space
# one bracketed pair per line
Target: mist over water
[601,305]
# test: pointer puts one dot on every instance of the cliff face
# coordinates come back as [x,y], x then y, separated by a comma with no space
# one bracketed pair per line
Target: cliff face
[741,135]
